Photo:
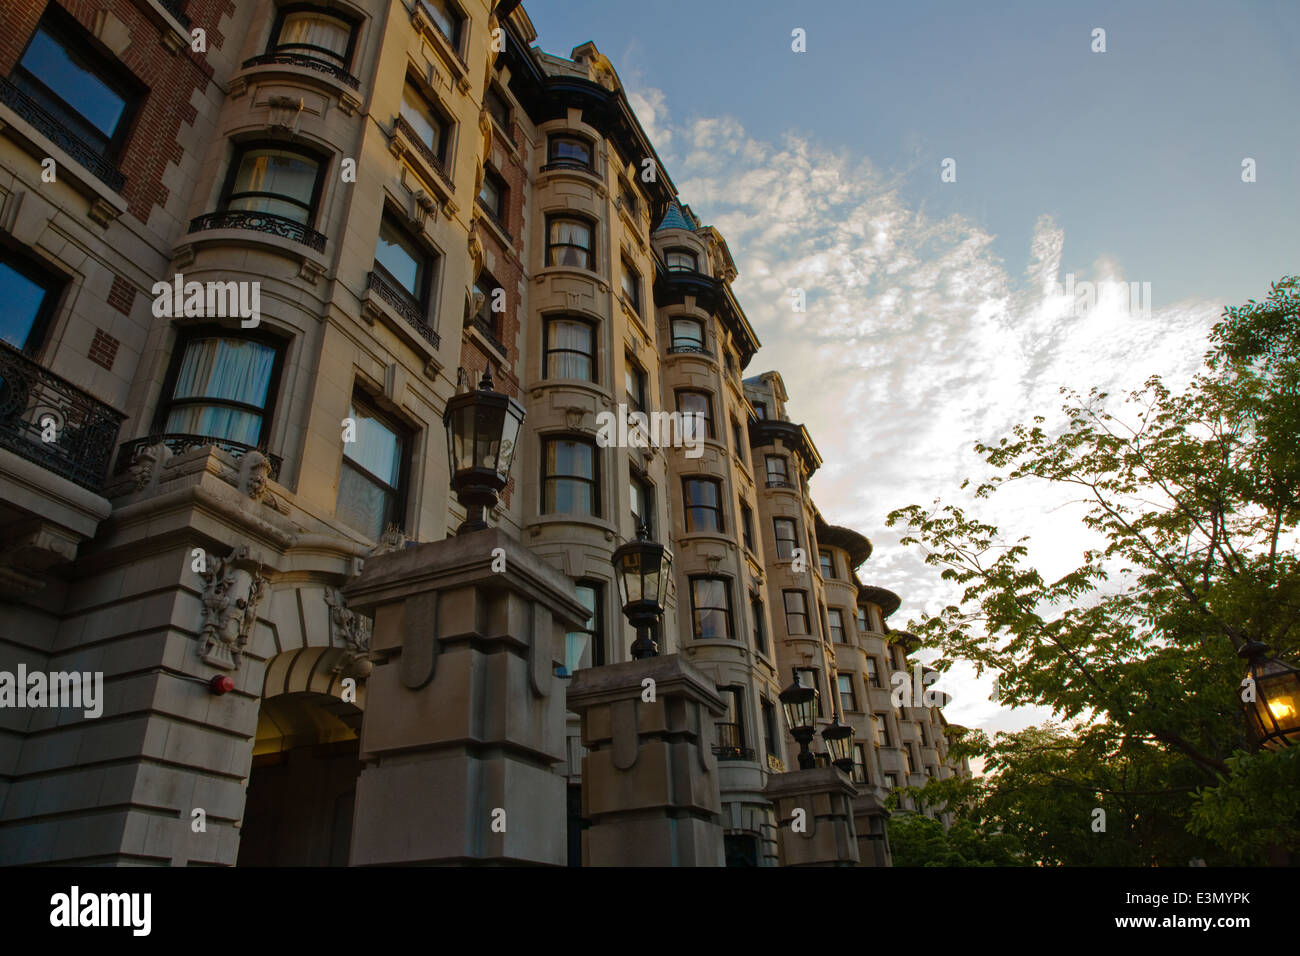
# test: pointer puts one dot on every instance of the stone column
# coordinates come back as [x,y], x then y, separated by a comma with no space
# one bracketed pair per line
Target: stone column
[822,834]
[869,816]
[464,719]
[649,779]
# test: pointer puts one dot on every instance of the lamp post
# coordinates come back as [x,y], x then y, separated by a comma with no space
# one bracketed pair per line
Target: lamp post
[800,706]
[482,434]
[839,745]
[1273,716]
[642,567]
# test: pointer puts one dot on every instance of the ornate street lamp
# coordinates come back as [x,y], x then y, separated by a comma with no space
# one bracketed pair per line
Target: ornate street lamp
[642,567]
[482,434]
[839,745]
[1273,717]
[800,706]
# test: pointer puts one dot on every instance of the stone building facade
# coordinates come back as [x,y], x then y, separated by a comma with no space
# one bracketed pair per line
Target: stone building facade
[251,250]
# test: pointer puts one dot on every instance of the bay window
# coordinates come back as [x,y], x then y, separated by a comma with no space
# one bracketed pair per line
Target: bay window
[711,608]
[568,243]
[569,350]
[221,386]
[570,477]
[703,498]
[275,181]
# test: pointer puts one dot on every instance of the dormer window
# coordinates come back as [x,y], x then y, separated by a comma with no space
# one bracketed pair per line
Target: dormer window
[569,152]
[681,260]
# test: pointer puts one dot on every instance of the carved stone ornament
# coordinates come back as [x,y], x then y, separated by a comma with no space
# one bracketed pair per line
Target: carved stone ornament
[393,539]
[233,587]
[349,631]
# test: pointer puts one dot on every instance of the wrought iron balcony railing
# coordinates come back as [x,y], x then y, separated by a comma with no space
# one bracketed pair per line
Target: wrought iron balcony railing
[577,164]
[259,222]
[781,483]
[174,7]
[60,133]
[306,62]
[730,745]
[48,420]
[178,442]
[403,306]
[428,155]
[684,347]
[488,332]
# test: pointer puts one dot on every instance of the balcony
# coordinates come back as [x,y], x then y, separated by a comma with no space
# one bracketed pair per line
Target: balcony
[179,443]
[402,304]
[781,483]
[432,159]
[58,130]
[307,63]
[36,404]
[730,745]
[260,222]
[688,348]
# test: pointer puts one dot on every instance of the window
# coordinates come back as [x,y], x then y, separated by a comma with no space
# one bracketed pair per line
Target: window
[760,632]
[568,151]
[760,410]
[731,728]
[703,497]
[881,730]
[641,496]
[569,350]
[487,317]
[634,384]
[786,539]
[807,677]
[492,196]
[699,406]
[372,478]
[687,336]
[570,477]
[908,760]
[835,623]
[404,262]
[681,260]
[568,243]
[632,286]
[859,763]
[94,97]
[593,654]
[862,620]
[316,34]
[627,198]
[221,386]
[711,608]
[873,673]
[747,525]
[276,181]
[498,107]
[446,18]
[777,474]
[29,294]
[430,125]
[891,782]
[827,562]
[769,727]
[796,612]
[848,696]
[738,440]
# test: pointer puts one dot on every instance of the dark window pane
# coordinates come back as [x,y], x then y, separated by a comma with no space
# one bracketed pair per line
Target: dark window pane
[73,79]
[23,299]
[402,259]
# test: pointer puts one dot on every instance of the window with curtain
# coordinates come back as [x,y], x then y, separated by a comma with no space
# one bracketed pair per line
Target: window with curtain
[220,389]
[314,33]
[703,498]
[777,474]
[570,477]
[569,151]
[29,294]
[711,608]
[274,180]
[404,262]
[680,260]
[796,612]
[372,476]
[687,335]
[569,350]
[698,405]
[568,243]
[593,654]
[428,122]
[835,620]
[848,696]
[786,538]
[86,92]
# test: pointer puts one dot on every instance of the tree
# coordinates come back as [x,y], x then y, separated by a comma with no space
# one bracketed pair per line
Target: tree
[1195,500]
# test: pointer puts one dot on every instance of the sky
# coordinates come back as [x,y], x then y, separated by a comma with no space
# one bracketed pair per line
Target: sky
[933,176]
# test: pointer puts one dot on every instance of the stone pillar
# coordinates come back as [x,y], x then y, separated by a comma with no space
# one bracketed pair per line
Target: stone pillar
[869,816]
[464,719]
[823,834]
[649,779]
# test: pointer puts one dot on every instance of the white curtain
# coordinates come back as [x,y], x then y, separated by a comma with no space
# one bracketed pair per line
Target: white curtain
[222,369]
[566,238]
[316,29]
[570,344]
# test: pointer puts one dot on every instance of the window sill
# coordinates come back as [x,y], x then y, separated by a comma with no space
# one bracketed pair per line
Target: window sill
[543,521]
[260,66]
[106,203]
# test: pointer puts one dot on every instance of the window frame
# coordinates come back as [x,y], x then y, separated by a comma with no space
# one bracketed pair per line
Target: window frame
[499,183]
[681,251]
[37,272]
[860,763]
[594,482]
[646,490]
[883,738]
[406,447]
[596,633]
[457,37]
[779,521]
[872,672]
[485,314]
[639,402]
[494,90]
[274,45]
[688,345]
[590,250]
[852,691]
[554,162]
[547,351]
[781,477]
[190,333]
[815,684]
[708,408]
[761,642]
[747,526]
[243,148]
[692,580]
[630,272]
[442,152]
[826,557]
[432,261]
[718,509]
[785,604]
[831,628]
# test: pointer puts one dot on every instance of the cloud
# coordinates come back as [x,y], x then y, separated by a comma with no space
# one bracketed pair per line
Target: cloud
[917,342]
